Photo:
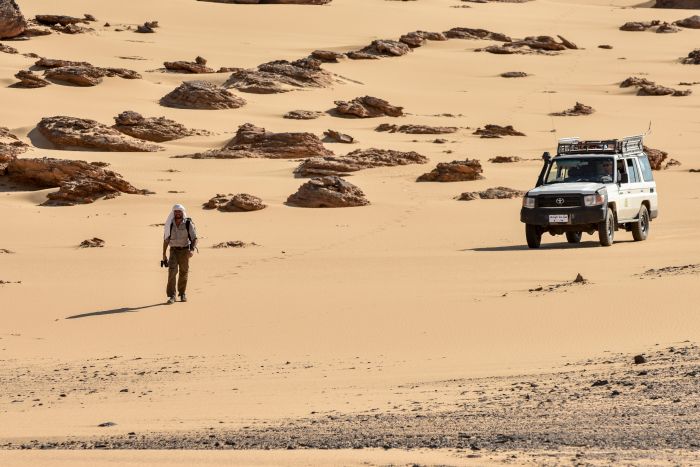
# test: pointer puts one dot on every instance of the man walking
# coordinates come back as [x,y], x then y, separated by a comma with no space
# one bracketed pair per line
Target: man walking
[181,235]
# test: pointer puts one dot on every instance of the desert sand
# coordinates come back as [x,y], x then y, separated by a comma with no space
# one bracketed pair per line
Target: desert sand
[393,309]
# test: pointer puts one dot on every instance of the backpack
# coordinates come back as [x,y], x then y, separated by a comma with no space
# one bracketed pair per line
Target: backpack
[188,222]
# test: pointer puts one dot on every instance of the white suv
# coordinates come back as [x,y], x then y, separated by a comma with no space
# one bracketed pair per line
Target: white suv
[592,186]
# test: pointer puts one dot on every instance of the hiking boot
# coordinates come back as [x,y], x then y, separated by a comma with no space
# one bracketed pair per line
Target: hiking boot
[171,300]
[183,297]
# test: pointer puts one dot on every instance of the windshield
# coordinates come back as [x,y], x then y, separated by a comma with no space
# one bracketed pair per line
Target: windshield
[584,169]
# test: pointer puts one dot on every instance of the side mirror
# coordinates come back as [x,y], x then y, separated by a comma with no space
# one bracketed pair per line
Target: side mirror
[624,178]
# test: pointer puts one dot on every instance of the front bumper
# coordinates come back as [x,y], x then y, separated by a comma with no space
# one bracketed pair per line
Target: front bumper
[581,215]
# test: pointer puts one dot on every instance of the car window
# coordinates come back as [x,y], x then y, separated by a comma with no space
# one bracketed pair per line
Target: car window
[584,169]
[646,169]
[632,171]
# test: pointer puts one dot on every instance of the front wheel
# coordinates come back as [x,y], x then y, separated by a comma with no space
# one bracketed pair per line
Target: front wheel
[533,234]
[606,229]
[573,237]
[640,229]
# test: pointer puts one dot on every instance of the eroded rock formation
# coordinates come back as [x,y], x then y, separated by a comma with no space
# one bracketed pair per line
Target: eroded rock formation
[455,171]
[367,107]
[328,192]
[79,182]
[497,131]
[156,129]
[693,58]
[28,79]
[357,160]
[650,88]
[202,95]
[242,202]
[417,129]
[12,22]
[253,141]
[281,76]
[576,110]
[198,66]
[499,192]
[70,132]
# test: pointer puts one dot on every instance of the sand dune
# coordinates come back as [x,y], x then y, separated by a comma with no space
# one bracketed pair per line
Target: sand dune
[413,288]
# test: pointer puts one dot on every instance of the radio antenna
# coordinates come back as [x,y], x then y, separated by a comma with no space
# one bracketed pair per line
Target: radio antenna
[648,132]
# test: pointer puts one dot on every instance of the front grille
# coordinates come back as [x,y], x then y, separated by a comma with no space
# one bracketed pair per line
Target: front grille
[559,201]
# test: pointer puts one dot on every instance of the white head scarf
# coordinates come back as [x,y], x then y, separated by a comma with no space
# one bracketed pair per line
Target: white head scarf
[171,218]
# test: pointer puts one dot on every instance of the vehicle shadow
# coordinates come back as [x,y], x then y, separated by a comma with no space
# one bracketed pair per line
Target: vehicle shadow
[545,246]
[115,311]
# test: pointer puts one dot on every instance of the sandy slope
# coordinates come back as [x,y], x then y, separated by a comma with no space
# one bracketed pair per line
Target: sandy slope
[420,285]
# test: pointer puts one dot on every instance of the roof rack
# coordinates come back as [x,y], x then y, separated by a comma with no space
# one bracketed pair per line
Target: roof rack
[626,145]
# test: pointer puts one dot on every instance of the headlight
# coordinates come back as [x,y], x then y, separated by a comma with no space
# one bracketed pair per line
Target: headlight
[528,202]
[593,200]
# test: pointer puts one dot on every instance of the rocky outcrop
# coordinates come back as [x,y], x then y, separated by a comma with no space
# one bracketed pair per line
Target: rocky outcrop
[281,76]
[382,48]
[660,27]
[693,58]
[66,24]
[656,157]
[576,110]
[252,141]
[469,33]
[497,131]
[417,129]
[79,182]
[10,147]
[241,202]
[514,74]
[81,73]
[545,45]
[198,66]
[156,129]
[650,88]
[202,95]
[328,192]
[12,22]
[327,56]
[303,114]
[418,38]
[505,159]
[499,192]
[277,2]
[27,79]
[455,171]
[357,160]
[338,137]
[56,63]
[682,4]
[149,27]
[93,242]
[70,132]
[692,22]
[367,107]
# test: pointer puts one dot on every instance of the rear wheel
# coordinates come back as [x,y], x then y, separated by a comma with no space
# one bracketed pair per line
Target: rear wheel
[640,229]
[573,237]
[533,234]
[606,229]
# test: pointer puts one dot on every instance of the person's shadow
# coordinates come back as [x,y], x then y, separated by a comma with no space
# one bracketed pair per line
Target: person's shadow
[114,311]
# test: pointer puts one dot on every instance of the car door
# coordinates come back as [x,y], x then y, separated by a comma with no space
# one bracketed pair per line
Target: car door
[633,190]
[648,184]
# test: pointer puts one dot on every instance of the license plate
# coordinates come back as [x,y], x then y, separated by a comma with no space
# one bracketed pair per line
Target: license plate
[559,218]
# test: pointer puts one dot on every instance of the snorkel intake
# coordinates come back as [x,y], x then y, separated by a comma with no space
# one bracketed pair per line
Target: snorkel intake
[547,159]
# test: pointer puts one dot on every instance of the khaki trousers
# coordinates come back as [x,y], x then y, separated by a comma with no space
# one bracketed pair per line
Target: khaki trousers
[179,259]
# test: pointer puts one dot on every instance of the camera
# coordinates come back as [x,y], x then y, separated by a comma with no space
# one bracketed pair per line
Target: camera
[164,263]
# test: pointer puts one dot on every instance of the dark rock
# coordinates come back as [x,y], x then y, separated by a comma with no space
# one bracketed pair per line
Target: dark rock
[357,160]
[514,74]
[281,76]
[27,79]
[327,56]
[8,50]
[500,192]
[338,137]
[156,129]
[253,141]
[468,33]
[303,114]
[692,22]
[455,171]
[682,4]
[63,20]
[70,132]
[56,63]
[600,382]
[12,22]
[605,46]
[202,95]
[385,48]
[496,131]
[505,159]
[666,28]
[417,129]
[639,359]
[79,182]
[106,424]
[198,66]
[693,58]
[367,107]
[328,192]
[93,243]
[233,244]
[241,202]
[576,110]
